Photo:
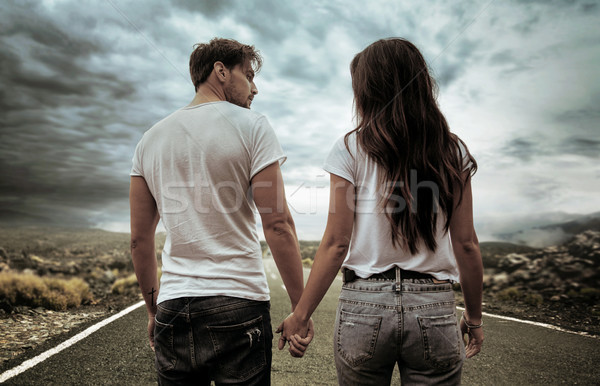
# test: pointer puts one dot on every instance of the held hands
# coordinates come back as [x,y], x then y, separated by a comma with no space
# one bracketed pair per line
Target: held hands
[474,336]
[292,331]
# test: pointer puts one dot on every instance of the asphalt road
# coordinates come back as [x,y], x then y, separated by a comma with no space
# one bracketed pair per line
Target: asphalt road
[513,354]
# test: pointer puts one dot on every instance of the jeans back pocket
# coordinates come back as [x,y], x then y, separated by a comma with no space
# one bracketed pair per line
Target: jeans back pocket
[356,336]
[163,346]
[240,348]
[441,340]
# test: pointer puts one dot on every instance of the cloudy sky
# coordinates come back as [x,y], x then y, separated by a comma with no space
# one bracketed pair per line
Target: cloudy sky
[81,81]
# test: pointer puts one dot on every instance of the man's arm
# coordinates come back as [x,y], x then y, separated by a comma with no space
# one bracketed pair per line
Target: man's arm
[144,218]
[328,260]
[278,225]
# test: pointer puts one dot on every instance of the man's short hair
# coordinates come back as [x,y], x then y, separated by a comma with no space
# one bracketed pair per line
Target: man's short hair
[228,51]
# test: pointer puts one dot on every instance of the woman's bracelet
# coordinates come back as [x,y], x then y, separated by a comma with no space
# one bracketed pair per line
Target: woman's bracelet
[471,326]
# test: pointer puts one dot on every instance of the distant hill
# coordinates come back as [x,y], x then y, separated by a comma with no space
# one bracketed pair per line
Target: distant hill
[41,239]
[13,217]
[554,233]
[308,248]
[16,218]
[587,222]
[492,251]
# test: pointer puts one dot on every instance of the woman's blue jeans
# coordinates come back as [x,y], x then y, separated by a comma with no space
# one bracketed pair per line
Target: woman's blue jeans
[411,322]
[219,338]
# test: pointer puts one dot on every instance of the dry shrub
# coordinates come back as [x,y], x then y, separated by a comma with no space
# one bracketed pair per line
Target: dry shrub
[34,291]
[75,291]
[590,293]
[307,262]
[128,285]
[125,286]
[533,299]
[511,293]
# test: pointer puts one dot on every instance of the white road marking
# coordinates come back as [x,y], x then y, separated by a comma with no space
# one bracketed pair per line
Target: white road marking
[90,330]
[69,342]
[539,324]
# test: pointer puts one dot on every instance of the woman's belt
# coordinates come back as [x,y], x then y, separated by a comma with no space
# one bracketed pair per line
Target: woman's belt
[349,275]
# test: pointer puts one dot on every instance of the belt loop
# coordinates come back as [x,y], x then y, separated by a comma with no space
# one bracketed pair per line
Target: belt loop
[348,275]
[398,278]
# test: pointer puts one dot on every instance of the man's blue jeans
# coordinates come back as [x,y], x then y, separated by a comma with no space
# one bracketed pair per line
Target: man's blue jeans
[224,339]
[411,322]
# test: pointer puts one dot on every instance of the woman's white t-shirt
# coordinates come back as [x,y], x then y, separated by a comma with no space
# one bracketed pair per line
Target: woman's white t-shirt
[371,250]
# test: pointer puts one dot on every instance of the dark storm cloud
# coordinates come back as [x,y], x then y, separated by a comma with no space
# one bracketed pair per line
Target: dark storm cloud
[364,28]
[539,188]
[552,144]
[80,82]
[581,4]
[510,62]
[589,7]
[28,19]
[448,72]
[299,68]
[210,8]
[270,20]
[521,148]
[535,12]
[449,65]
[588,147]
[527,25]
[57,138]
[501,57]
[586,117]
[451,57]
[583,128]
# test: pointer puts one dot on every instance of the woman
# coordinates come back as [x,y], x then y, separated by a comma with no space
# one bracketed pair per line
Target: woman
[400,186]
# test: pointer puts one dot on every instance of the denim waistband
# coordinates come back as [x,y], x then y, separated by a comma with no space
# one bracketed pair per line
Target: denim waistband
[349,275]
[207,305]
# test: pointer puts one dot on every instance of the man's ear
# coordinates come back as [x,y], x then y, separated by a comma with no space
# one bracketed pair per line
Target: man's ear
[220,71]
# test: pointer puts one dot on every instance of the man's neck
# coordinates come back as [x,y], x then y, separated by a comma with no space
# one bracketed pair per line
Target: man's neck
[207,93]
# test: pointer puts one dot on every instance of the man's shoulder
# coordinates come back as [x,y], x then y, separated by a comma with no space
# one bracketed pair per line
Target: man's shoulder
[165,121]
[242,112]
[237,116]
[217,110]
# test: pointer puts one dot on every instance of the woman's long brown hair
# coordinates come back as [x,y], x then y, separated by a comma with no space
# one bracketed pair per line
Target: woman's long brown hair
[401,128]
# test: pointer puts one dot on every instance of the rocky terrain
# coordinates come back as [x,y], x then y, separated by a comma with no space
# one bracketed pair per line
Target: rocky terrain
[557,285]
[101,259]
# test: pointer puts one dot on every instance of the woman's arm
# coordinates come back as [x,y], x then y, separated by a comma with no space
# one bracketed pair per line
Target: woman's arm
[328,260]
[470,266]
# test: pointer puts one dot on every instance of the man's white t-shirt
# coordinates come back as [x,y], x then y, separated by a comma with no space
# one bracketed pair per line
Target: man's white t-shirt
[371,249]
[198,163]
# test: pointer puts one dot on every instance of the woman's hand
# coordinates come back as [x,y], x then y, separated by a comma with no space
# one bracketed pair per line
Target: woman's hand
[474,338]
[297,333]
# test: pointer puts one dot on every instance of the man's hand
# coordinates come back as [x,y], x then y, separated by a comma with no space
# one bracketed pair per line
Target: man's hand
[297,333]
[151,323]
[474,338]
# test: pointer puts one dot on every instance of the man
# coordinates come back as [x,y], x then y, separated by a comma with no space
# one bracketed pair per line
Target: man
[203,170]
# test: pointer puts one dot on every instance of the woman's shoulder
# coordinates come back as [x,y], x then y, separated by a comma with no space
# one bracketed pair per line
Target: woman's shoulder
[464,154]
[346,143]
